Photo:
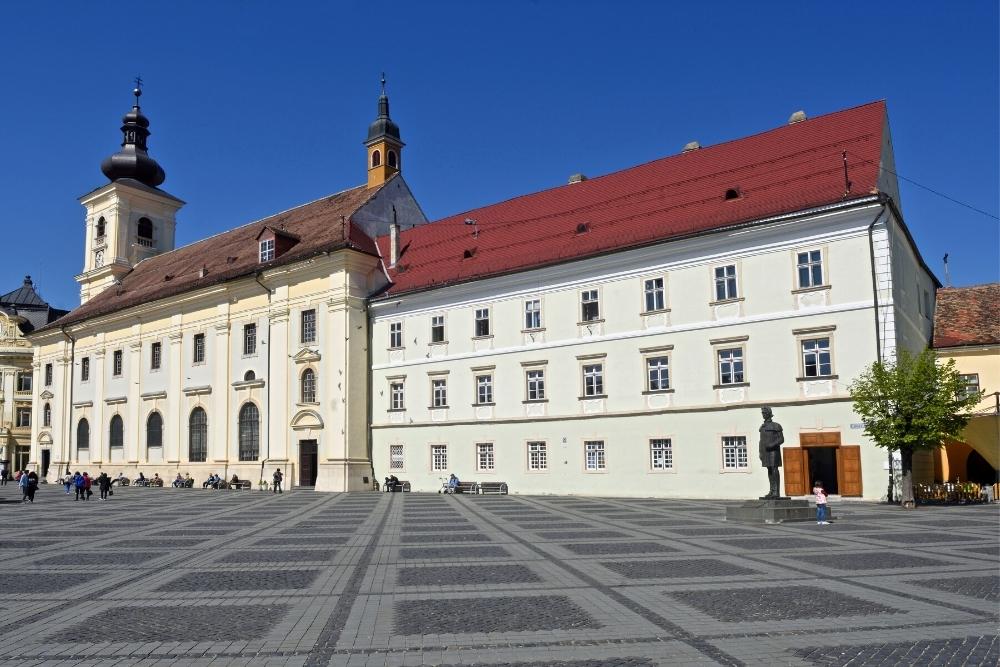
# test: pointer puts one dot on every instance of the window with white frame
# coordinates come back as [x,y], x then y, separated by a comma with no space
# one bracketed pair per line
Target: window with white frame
[397,395]
[485,459]
[533,314]
[482,322]
[85,369]
[484,388]
[395,335]
[734,452]
[809,266]
[47,415]
[730,365]
[535,378]
[439,392]
[653,291]
[198,349]
[439,457]
[48,375]
[595,454]
[267,250]
[437,328]
[307,332]
[116,363]
[537,456]
[725,283]
[661,454]
[24,381]
[590,306]
[395,457]
[657,373]
[249,339]
[970,384]
[593,379]
[816,360]
[155,356]
[307,388]
[23,417]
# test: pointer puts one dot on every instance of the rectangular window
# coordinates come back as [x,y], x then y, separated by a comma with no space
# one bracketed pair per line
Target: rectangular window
[816,358]
[23,417]
[439,392]
[485,460]
[308,332]
[395,457]
[810,268]
[267,250]
[537,457]
[116,363]
[970,382]
[395,335]
[536,384]
[590,306]
[661,454]
[593,380]
[439,457]
[24,381]
[653,289]
[482,322]
[396,396]
[198,353]
[484,389]
[657,373]
[533,314]
[725,282]
[155,356]
[595,454]
[437,328]
[48,375]
[734,453]
[731,365]
[249,339]
[85,369]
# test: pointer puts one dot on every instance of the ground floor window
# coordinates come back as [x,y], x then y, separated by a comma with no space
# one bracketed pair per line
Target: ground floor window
[439,457]
[595,455]
[485,459]
[537,458]
[661,454]
[395,457]
[734,453]
[198,436]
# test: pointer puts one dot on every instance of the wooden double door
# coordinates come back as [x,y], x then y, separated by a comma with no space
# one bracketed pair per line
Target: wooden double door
[822,456]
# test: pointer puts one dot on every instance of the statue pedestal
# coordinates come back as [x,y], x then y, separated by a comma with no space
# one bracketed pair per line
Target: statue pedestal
[777,510]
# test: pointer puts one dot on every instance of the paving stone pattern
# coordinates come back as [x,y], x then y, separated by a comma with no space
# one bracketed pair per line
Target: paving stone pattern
[300,579]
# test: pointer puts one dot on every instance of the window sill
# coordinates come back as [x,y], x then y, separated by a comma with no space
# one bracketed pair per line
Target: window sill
[483,405]
[743,471]
[662,471]
[437,407]
[396,410]
[437,342]
[535,400]
[486,337]
[732,385]
[395,349]
[592,398]
[583,323]
[723,302]
[251,355]
[653,392]
[601,471]
[307,404]
[659,311]
[815,288]
[197,363]
[536,330]
[817,377]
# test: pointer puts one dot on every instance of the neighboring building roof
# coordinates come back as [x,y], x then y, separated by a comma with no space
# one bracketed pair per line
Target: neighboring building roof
[966,316]
[791,168]
[323,226]
[28,304]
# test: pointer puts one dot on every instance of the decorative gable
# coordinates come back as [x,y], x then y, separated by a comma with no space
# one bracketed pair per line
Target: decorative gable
[306,356]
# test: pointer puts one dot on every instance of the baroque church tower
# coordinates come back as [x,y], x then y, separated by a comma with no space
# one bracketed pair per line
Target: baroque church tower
[130,218]
[385,148]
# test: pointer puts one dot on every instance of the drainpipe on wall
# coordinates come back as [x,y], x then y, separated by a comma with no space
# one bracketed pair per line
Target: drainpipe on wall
[878,333]
[68,413]
[267,381]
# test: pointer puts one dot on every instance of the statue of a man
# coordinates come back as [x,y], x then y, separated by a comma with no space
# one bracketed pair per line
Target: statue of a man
[771,438]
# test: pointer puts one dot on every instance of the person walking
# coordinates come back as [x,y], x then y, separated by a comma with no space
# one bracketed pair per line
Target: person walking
[32,485]
[68,481]
[87,483]
[78,486]
[277,477]
[22,483]
[820,493]
[3,473]
[104,483]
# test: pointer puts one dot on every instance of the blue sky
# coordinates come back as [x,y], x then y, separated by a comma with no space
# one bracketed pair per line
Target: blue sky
[256,107]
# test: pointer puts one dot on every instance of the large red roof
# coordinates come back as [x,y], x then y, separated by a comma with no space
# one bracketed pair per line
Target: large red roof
[967,316]
[791,168]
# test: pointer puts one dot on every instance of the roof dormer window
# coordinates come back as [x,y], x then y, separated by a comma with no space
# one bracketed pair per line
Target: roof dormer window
[266,250]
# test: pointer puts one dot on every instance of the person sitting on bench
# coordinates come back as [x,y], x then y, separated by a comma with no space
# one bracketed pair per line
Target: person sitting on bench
[392,483]
[453,483]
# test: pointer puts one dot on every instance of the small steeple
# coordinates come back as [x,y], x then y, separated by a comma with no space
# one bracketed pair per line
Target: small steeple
[132,161]
[383,142]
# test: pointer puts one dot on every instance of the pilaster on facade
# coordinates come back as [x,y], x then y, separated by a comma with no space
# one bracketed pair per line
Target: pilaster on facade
[134,439]
[173,427]
[97,429]
[219,419]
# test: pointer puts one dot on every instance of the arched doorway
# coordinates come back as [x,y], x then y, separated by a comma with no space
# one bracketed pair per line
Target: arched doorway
[979,470]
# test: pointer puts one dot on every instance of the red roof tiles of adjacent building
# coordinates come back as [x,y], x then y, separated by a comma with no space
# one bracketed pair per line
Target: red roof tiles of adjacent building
[791,168]
[966,316]
[321,226]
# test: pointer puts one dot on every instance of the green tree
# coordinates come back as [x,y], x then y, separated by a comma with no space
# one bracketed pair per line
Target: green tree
[912,404]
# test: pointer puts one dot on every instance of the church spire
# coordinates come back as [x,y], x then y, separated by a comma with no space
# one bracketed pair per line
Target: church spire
[383,142]
[132,161]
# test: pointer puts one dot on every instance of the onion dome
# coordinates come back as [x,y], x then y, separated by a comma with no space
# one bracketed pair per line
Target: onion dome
[383,125]
[132,161]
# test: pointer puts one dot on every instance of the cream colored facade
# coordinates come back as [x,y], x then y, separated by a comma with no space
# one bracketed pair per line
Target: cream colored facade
[15,395]
[616,442]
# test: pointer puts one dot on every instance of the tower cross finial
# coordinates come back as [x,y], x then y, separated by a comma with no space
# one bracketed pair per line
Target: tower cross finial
[137,91]
[383,83]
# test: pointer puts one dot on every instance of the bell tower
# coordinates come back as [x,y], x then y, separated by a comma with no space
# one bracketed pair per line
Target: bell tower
[130,218]
[385,148]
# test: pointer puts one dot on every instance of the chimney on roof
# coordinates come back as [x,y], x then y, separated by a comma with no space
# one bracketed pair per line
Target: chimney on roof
[393,240]
[690,146]
[577,178]
[797,117]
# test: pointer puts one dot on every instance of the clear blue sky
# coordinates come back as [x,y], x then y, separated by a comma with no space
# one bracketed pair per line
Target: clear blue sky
[256,107]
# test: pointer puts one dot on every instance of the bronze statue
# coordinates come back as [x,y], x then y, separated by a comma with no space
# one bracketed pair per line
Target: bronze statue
[771,438]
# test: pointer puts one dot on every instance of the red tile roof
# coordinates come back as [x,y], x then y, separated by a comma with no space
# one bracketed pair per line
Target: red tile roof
[967,316]
[322,226]
[791,168]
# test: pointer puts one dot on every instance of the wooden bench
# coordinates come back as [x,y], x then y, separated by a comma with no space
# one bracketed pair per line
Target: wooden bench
[402,487]
[241,485]
[463,487]
[493,487]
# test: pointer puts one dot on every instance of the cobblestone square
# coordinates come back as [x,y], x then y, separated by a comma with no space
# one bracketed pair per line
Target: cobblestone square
[192,576]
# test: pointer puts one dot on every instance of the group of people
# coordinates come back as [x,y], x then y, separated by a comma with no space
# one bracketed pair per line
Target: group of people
[185,482]
[80,484]
[27,482]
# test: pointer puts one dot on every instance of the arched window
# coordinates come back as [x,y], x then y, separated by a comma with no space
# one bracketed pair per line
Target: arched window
[101,227]
[308,386]
[145,228]
[83,434]
[198,436]
[249,375]
[117,432]
[47,415]
[390,157]
[249,432]
[376,158]
[154,430]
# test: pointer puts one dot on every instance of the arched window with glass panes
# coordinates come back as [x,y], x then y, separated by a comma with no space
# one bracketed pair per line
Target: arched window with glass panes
[116,434]
[308,386]
[83,434]
[198,436]
[154,430]
[249,432]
